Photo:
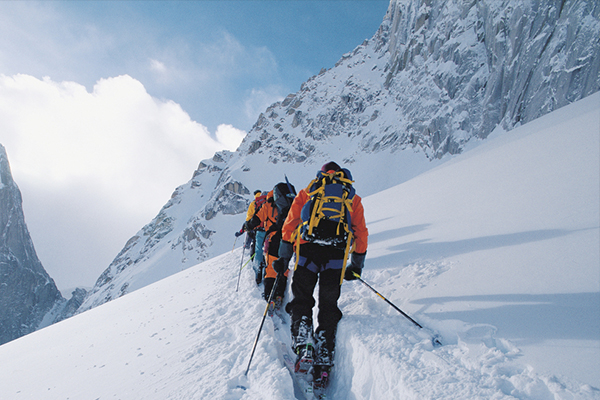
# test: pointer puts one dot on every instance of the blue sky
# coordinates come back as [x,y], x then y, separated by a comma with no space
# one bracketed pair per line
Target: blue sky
[222,61]
[107,106]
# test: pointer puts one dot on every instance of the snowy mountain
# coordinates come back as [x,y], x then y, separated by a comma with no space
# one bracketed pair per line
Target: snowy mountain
[437,77]
[496,249]
[29,298]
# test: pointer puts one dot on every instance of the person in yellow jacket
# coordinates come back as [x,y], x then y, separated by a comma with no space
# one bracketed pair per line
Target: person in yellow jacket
[253,207]
[255,237]
[324,262]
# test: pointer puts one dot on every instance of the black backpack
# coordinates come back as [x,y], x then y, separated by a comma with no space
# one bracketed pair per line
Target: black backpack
[283,197]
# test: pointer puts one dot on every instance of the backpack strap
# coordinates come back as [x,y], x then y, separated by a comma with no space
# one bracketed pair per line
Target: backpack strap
[339,176]
[297,233]
[346,253]
[349,249]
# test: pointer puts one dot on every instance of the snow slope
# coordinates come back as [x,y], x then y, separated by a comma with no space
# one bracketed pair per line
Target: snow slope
[496,249]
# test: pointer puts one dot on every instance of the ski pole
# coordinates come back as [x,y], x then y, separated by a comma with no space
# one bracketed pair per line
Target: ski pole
[241,261]
[435,339]
[262,322]
[234,242]
[250,259]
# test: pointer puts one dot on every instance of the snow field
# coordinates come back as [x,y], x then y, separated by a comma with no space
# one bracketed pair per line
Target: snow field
[496,250]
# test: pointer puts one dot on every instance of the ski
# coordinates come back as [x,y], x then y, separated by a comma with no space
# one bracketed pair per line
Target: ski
[320,391]
[303,381]
[287,356]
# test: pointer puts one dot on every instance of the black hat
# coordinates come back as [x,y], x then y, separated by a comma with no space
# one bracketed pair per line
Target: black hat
[331,165]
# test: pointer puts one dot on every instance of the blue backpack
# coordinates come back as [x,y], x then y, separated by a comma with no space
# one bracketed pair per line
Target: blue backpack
[326,216]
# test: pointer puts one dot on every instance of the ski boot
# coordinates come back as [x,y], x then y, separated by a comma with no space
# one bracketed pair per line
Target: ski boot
[275,305]
[323,362]
[259,272]
[304,359]
[302,343]
[321,376]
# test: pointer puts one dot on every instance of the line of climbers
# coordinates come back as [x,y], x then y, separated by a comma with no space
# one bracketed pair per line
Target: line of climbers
[321,226]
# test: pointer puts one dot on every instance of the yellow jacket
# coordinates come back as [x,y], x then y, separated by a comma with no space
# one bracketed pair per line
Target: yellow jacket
[252,207]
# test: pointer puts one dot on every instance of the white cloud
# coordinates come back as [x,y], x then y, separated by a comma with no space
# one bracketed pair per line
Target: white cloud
[116,135]
[158,66]
[229,136]
[208,69]
[127,150]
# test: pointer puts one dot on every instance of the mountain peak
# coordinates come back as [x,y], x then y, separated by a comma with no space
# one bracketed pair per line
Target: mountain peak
[28,293]
[436,76]
[5,174]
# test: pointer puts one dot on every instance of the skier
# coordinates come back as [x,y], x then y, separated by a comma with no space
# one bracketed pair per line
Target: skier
[323,260]
[272,216]
[259,239]
[256,237]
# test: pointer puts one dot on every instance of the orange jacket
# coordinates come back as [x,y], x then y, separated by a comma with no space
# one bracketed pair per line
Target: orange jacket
[359,225]
[267,213]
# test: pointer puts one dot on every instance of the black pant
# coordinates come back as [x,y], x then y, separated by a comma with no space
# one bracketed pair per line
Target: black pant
[250,241]
[327,263]
[279,291]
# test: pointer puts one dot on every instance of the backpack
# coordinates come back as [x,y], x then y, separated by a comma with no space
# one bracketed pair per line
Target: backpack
[258,202]
[325,218]
[283,197]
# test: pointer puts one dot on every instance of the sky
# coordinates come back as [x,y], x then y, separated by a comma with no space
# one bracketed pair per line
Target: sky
[106,107]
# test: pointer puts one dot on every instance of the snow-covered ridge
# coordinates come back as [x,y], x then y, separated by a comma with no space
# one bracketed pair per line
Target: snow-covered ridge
[436,78]
[496,249]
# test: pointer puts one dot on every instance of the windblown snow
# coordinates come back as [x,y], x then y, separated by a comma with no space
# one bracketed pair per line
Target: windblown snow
[497,250]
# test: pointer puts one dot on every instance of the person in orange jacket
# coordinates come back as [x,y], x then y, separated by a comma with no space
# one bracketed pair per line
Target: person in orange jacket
[325,264]
[271,217]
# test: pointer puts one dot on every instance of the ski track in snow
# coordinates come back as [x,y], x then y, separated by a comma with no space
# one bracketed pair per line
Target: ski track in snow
[383,355]
[379,353]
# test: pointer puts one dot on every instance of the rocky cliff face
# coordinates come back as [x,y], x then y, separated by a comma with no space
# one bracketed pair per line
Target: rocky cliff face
[458,69]
[436,75]
[27,293]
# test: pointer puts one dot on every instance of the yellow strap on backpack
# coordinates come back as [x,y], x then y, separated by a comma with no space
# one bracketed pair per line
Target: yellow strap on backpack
[297,239]
[346,253]
[321,201]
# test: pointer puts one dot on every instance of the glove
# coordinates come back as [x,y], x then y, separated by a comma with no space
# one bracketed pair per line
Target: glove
[280,265]
[239,233]
[286,250]
[356,265]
